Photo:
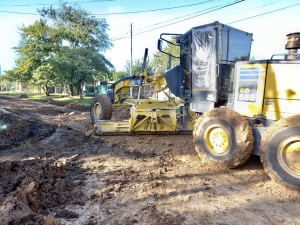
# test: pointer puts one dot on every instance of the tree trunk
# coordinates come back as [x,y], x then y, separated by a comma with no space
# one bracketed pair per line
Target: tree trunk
[46,90]
[80,92]
[65,89]
[71,87]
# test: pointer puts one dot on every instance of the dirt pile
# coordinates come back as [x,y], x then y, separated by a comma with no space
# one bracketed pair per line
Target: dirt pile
[28,189]
[121,114]
[17,130]
[14,128]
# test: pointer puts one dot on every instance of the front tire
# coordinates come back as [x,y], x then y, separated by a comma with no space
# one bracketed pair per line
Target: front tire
[101,108]
[223,136]
[280,151]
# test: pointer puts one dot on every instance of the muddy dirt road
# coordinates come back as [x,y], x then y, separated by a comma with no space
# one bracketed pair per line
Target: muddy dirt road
[54,171]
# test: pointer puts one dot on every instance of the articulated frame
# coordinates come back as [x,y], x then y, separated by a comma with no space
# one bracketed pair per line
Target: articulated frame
[148,116]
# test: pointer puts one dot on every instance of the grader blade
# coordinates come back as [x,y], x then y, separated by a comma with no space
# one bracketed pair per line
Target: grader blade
[143,120]
[112,128]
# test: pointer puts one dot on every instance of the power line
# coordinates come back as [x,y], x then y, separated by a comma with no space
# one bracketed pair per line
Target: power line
[178,17]
[264,13]
[254,8]
[41,4]
[171,20]
[214,10]
[143,11]
[182,20]
[152,10]
[205,10]
[20,13]
[25,5]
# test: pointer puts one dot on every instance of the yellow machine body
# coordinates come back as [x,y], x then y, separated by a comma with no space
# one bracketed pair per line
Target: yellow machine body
[147,115]
[268,87]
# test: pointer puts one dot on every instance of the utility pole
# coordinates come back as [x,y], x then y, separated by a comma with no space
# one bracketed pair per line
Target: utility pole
[0,79]
[131,49]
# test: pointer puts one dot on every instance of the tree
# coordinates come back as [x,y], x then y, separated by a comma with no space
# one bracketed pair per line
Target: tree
[5,80]
[77,66]
[64,46]
[44,76]
[242,58]
[161,60]
[10,75]
[117,75]
[136,69]
[77,27]
[34,50]
[80,31]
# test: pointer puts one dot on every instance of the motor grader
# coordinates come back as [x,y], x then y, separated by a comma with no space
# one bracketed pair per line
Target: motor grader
[234,109]
[201,81]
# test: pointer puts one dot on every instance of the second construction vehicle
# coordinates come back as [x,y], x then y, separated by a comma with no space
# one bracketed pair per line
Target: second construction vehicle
[234,109]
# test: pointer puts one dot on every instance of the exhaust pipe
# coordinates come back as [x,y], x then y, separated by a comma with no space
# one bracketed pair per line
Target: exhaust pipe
[292,45]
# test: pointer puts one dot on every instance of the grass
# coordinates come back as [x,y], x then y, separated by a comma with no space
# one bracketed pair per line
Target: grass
[55,97]
[76,99]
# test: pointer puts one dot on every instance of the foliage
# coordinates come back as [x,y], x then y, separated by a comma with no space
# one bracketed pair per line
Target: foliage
[136,69]
[242,58]
[117,75]
[76,26]
[77,66]
[4,82]
[44,76]
[9,77]
[63,47]
[34,50]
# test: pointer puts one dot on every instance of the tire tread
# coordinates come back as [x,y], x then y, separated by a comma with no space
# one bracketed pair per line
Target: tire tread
[243,132]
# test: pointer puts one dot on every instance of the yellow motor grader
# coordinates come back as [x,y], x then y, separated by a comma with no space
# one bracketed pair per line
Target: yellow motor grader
[233,109]
[149,112]
[201,81]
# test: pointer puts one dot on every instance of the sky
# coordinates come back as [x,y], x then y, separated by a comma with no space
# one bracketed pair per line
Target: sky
[269,21]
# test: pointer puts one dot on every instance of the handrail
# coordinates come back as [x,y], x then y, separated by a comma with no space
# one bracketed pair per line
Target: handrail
[285,54]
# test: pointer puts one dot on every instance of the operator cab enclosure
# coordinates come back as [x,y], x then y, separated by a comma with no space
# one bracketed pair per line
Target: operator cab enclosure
[208,54]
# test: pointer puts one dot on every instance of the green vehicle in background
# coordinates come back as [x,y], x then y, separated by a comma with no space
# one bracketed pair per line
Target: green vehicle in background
[98,89]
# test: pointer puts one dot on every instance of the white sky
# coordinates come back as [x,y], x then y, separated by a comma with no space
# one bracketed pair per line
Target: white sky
[269,30]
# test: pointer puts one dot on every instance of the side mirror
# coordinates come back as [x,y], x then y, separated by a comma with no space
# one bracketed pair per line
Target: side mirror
[159,44]
[164,46]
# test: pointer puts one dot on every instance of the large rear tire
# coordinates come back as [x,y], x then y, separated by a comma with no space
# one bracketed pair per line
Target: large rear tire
[223,136]
[280,151]
[101,108]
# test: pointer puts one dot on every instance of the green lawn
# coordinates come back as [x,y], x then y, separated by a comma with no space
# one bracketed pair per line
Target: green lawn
[56,97]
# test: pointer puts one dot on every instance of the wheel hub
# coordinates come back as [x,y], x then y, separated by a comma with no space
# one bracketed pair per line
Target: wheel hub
[288,155]
[217,139]
[97,110]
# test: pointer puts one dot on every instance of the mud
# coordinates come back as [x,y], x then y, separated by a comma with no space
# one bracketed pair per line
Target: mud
[53,170]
